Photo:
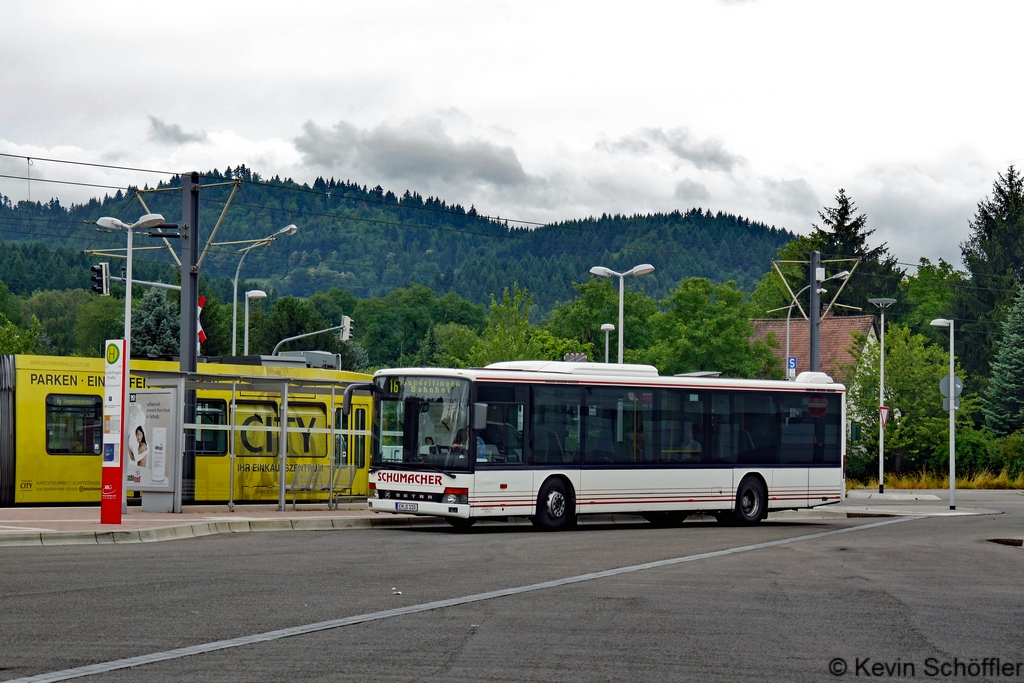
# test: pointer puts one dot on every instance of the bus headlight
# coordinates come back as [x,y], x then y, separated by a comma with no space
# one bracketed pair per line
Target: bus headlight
[373,490]
[455,496]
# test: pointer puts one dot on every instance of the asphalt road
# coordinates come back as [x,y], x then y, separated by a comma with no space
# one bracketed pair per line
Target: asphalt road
[903,593]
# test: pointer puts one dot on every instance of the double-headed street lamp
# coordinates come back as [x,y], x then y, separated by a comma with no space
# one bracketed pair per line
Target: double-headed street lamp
[948,322]
[601,271]
[244,251]
[882,303]
[150,220]
[251,294]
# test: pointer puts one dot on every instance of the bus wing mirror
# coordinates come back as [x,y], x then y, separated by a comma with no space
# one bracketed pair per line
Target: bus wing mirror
[346,403]
[479,416]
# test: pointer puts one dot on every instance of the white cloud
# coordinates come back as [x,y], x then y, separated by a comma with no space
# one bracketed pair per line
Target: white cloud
[172,133]
[415,151]
[705,154]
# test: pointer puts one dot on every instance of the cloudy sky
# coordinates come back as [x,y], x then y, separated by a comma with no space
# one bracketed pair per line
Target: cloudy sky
[537,111]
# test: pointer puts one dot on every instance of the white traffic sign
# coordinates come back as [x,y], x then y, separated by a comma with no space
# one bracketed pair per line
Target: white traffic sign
[884,412]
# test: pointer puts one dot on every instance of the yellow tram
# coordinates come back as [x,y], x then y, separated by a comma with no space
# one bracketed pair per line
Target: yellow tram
[51,412]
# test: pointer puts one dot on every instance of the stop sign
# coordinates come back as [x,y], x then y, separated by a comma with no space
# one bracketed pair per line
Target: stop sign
[817,404]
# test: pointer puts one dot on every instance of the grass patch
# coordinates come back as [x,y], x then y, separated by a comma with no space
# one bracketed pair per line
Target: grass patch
[930,480]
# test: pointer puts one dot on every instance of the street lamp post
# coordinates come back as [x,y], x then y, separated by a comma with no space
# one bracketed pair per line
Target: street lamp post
[244,251]
[606,328]
[150,220]
[882,303]
[601,271]
[948,322]
[251,294]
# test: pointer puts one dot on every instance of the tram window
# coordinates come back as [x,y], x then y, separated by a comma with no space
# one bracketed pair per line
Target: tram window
[341,455]
[360,425]
[74,424]
[306,416]
[556,425]
[211,412]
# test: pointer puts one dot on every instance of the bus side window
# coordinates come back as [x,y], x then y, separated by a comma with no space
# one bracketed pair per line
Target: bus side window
[556,425]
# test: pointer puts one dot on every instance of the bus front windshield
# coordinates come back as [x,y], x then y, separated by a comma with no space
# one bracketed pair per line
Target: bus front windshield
[422,422]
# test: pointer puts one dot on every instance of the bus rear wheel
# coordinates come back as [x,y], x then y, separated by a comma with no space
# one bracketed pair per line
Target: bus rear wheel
[665,519]
[555,505]
[751,503]
[459,524]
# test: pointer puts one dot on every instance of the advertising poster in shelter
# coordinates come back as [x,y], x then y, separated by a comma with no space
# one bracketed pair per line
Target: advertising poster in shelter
[148,462]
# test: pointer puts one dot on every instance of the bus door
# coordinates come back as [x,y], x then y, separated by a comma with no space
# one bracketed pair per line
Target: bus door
[502,485]
[697,441]
[796,452]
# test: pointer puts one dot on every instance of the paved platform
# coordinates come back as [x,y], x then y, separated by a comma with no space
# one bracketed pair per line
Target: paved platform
[37,526]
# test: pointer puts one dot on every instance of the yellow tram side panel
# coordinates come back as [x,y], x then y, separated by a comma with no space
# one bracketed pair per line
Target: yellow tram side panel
[55,465]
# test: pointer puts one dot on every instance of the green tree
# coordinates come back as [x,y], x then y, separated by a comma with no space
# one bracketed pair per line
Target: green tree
[597,303]
[9,307]
[447,345]
[57,312]
[155,325]
[706,327]
[509,331]
[334,303]
[994,258]
[1003,399]
[289,317]
[14,339]
[917,432]
[511,336]
[926,295]
[842,234]
[99,318]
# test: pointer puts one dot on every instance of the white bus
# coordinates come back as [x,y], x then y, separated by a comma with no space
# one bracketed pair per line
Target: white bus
[552,440]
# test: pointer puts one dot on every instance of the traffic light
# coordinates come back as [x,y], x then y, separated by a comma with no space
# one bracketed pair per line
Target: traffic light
[101,278]
[346,328]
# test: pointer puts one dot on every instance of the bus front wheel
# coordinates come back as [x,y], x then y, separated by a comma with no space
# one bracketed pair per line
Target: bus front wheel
[554,505]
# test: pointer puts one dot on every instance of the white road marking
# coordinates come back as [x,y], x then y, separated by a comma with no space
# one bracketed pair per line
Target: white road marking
[203,648]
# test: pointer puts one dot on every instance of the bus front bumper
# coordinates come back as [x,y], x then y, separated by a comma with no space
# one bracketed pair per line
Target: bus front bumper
[398,507]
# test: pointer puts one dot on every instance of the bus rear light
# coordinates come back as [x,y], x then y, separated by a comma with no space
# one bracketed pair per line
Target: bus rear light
[456,496]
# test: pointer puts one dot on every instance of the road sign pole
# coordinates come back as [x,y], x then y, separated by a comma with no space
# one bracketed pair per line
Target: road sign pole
[881,402]
[952,424]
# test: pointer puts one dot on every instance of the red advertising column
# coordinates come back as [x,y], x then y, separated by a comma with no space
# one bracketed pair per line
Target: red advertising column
[113,436]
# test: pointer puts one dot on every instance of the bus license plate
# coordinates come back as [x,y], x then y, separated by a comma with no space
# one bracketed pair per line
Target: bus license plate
[407,507]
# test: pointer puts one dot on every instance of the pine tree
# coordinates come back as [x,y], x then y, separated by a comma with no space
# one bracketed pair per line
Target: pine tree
[994,257]
[1003,401]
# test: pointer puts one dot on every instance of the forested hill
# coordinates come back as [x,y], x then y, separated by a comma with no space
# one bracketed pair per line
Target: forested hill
[370,241]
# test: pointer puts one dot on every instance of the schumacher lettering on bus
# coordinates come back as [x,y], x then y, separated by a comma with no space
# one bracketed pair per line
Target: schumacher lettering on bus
[408,478]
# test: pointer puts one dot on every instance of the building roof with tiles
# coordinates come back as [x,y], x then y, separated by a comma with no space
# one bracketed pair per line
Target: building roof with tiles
[836,340]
